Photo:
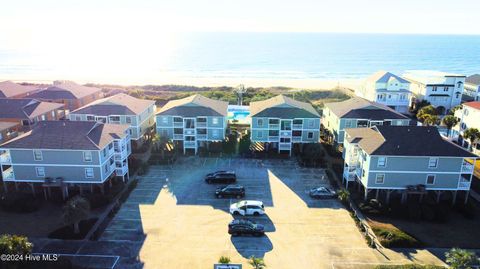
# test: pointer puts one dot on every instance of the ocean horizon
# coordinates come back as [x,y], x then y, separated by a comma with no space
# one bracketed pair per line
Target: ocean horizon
[249,56]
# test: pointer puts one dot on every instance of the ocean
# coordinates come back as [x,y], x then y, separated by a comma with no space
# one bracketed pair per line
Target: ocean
[293,56]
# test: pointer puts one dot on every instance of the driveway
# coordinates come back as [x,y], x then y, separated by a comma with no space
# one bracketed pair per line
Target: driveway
[174,221]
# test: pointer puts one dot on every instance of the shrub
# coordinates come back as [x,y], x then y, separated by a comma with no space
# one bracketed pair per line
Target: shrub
[343,195]
[15,244]
[224,260]
[408,266]
[395,238]
[19,203]
[460,258]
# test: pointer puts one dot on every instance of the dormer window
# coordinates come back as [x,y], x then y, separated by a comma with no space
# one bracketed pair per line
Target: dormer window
[459,84]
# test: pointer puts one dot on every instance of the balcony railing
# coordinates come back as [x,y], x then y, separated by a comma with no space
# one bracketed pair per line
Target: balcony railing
[285,133]
[201,124]
[467,168]
[178,137]
[273,126]
[285,146]
[296,139]
[201,136]
[5,158]
[8,174]
[463,185]
[178,123]
[189,144]
[297,126]
[273,138]
[189,131]
[121,170]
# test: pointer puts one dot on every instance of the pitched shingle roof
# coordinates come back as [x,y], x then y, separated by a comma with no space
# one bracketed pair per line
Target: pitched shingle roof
[9,89]
[4,125]
[359,108]
[384,77]
[65,90]
[26,108]
[119,104]
[404,141]
[195,105]
[473,79]
[74,135]
[281,106]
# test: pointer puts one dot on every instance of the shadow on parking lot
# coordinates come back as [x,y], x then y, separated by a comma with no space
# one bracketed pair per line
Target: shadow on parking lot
[252,246]
[264,220]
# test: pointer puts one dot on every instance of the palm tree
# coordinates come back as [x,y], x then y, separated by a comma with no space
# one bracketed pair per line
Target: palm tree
[257,263]
[430,120]
[449,121]
[76,210]
[472,134]
[460,258]
[425,112]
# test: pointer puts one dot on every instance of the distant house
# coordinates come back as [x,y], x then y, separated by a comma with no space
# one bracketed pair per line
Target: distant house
[357,113]
[443,90]
[406,160]
[66,153]
[69,93]
[472,87]
[27,112]
[10,89]
[120,109]
[8,130]
[469,116]
[193,122]
[387,89]
[281,122]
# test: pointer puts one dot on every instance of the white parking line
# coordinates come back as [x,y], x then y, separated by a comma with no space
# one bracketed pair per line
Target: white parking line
[85,255]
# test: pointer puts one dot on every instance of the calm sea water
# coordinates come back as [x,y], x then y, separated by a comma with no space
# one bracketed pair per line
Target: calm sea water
[290,56]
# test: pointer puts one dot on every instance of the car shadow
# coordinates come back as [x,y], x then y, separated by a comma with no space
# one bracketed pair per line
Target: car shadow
[248,246]
[263,219]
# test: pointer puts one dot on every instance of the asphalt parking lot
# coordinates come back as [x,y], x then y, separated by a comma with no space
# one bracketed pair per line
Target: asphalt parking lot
[173,220]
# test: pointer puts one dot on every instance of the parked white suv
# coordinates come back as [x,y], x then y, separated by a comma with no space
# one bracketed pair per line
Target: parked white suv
[247,207]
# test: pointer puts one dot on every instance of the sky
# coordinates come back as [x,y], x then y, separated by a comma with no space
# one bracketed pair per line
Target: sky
[58,31]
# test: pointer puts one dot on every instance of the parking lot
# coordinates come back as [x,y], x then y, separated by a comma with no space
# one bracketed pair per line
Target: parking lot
[173,220]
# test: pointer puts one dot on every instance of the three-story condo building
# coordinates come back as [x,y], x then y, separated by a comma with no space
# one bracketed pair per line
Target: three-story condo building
[442,90]
[357,113]
[120,109]
[281,122]
[472,87]
[387,89]
[66,153]
[193,122]
[406,160]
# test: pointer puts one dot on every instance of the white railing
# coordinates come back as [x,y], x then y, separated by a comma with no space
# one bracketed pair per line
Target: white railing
[201,136]
[296,139]
[273,126]
[178,137]
[273,138]
[285,146]
[284,133]
[189,131]
[463,185]
[297,126]
[5,158]
[8,174]
[189,144]
[467,168]
[201,124]
[178,124]
[121,170]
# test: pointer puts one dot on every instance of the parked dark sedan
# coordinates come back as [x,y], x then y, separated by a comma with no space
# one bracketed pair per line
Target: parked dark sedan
[322,193]
[245,227]
[236,191]
[221,177]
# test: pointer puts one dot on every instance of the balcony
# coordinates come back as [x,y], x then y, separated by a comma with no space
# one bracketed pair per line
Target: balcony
[201,136]
[201,124]
[284,133]
[189,144]
[189,131]
[273,126]
[5,158]
[8,174]
[464,184]
[178,124]
[296,139]
[273,138]
[178,137]
[285,146]
[349,173]
[467,168]
[297,126]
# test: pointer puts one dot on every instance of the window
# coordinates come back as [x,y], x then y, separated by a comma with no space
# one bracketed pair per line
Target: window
[78,118]
[128,119]
[348,124]
[37,155]
[259,122]
[310,135]
[115,118]
[215,121]
[379,178]
[87,156]
[164,120]
[434,88]
[311,123]
[430,179]
[382,161]
[90,118]
[53,114]
[433,163]
[273,132]
[106,168]
[105,152]
[445,89]
[40,171]
[44,117]
[89,173]
[362,123]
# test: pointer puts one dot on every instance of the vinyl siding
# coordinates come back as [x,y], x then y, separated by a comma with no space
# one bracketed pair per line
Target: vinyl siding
[69,173]
[53,157]
[418,164]
[401,180]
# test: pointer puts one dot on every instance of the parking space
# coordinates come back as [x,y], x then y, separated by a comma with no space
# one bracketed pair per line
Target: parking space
[175,217]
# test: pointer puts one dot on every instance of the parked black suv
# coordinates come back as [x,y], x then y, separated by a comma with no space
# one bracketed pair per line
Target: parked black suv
[245,227]
[221,177]
[236,191]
